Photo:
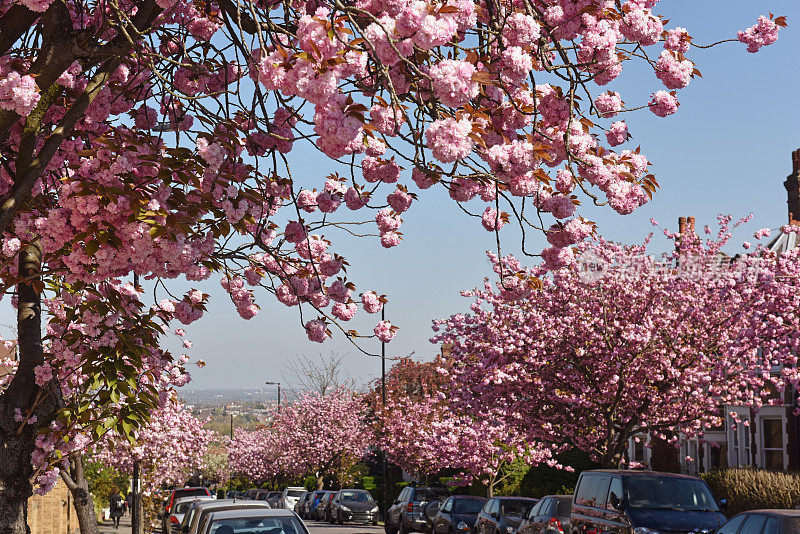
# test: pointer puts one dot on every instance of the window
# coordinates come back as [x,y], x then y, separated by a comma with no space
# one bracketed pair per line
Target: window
[638,451]
[739,437]
[753,524]
[773,446]
[733,525]
[404,495]
[538,507]
[355,496]
[564,508]
[448,505]
[586,493]
[614,494]
[517,508]
[466,506]
[494,506]
[257,525]
[654,491]
[771,526]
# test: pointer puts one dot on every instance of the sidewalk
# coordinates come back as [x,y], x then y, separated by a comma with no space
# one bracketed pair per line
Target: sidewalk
[107,527]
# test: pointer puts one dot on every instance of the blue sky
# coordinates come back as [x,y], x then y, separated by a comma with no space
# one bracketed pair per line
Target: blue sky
[726,151]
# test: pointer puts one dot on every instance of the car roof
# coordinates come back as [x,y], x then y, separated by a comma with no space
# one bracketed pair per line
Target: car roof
[775,511]
[190,488]
[516,499]
[354,489]
[194,498]
[219,503]
[469,497]
[638,473]
[260,512]
[557,497]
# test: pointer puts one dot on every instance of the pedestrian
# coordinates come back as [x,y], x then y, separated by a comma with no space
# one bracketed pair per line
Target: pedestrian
[115,504]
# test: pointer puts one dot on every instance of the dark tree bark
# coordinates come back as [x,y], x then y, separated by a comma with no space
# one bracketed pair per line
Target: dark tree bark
[17,439]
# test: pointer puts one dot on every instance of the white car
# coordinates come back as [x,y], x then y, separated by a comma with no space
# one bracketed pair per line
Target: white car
[290,497]
[254,521]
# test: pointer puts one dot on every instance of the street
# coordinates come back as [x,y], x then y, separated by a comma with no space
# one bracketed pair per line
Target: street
[320,527]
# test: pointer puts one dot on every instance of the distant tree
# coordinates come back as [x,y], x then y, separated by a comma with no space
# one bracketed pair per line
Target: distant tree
[315,375]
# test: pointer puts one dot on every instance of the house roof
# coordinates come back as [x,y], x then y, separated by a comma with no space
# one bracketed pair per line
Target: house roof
[784,242]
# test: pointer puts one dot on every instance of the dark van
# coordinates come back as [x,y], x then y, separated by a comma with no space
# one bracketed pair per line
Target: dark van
[634,502]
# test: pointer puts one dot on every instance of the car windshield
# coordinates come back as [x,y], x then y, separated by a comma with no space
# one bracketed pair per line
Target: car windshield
[190,492]
[428,495]
[257,525]
[517,508]
[356,496]
[668,493]
[467,506]
[295,493]
[181,507]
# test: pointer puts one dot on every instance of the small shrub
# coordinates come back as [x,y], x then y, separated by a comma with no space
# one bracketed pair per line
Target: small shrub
[751,489]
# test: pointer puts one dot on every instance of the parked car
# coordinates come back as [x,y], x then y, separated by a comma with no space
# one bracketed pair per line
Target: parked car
[549,516]
[231,494]
[503,515]
[177,493]
[763,522]
[405,515]
[253,520]
[302,504]
[628,502]
[171,520]
[197,514]
[261,495]
[290,496]
[311,507]
[355,505]
[324,507]
[457,514]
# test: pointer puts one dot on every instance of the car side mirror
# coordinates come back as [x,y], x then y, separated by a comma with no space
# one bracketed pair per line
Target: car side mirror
[396,501]
[616,502]
[494,515]
[723,504]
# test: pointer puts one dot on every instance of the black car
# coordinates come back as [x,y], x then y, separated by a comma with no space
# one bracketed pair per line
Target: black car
[628,502]
[457,514]
[405,514]
[503,515]
[354,505]
[763,522]
[549,516]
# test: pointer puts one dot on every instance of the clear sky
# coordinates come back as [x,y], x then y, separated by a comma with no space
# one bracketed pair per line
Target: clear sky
[727,150]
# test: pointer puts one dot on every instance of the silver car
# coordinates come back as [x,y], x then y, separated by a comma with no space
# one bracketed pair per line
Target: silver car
[198,514]
[253,521]
[171,523]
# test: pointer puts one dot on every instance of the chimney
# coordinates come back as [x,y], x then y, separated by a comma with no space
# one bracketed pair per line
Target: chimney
[685,227]
[792,185]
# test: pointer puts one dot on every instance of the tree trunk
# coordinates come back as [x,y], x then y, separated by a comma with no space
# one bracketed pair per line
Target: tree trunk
[17,439]
[320,483]
[79,487]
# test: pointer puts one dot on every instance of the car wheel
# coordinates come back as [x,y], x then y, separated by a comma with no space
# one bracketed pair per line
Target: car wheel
[402,527]
[388,527]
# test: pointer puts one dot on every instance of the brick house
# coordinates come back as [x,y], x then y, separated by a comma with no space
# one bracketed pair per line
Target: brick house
[770,439]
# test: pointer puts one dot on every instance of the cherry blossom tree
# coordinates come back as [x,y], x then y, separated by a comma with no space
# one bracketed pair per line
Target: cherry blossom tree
[157,138]
[424,433]
[323,435]
[255,454]
[169,448]
[623,343]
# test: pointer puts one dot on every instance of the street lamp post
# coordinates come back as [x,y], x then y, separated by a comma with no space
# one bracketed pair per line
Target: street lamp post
[383,405]
[279,392]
